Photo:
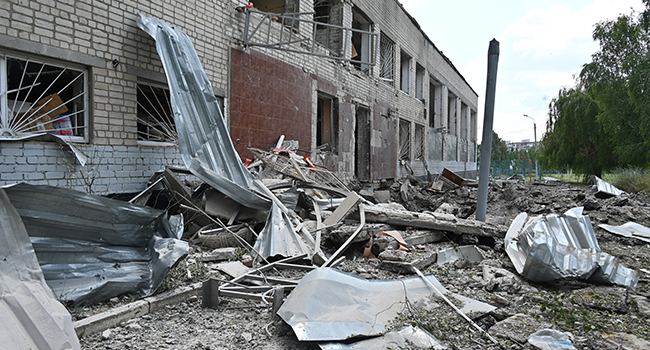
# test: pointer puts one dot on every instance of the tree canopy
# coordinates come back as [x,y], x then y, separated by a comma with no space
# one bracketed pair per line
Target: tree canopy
[604,121]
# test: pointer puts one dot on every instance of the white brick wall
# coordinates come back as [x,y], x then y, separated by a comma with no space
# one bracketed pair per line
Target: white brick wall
[105,30]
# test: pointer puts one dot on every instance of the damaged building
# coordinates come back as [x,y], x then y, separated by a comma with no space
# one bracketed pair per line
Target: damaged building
[84,101]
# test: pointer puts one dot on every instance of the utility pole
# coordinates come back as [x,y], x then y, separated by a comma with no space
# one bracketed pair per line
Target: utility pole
[535,138]
[488,119]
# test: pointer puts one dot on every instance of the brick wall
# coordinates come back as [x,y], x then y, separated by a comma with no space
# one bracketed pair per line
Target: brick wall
[94,33]
[109,169]
[269,98]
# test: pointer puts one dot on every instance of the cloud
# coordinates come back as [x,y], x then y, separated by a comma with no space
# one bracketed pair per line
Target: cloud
[540,54]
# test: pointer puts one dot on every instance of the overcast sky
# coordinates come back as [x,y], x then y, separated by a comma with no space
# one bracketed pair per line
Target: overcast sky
[543,44]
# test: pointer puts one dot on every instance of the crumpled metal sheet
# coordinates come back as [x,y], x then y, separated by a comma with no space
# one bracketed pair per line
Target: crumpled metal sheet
[548,248]
[630,230]
[605,189]
[270,244]
[203,138]
[204,142]
[417,337]
[30,315]
[93,248]
[330,305]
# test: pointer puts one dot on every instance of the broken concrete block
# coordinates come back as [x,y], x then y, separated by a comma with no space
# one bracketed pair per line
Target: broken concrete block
[220,254]
[643,304]
[382,196]
[387,213]
[518,327]
[393,255]
[626,341]
[424,237]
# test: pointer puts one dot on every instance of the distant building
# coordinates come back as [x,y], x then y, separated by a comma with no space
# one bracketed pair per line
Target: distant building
[522,145]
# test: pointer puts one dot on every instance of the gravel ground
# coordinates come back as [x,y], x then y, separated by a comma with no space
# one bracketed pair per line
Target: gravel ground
[594,317]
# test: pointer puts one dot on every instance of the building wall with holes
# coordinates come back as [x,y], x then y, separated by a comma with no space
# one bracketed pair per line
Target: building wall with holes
[101,36]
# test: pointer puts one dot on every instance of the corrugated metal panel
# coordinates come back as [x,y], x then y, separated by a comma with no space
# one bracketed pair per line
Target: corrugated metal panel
[555,247]
[204,141]
[330,305]
[30,316]
[93,248]
[203,138]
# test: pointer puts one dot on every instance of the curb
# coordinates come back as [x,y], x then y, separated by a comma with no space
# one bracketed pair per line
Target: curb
[113,317]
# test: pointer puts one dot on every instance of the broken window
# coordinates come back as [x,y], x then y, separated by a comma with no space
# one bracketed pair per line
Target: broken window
[326,123]
[404,139]
[418,152]
[405,69]
[387,57]
[452,114]
[330,37]
[472,125]
[275,6]
[435,94]
[155,116]
[419,82]
[361,44]
[463,120]
[38,96]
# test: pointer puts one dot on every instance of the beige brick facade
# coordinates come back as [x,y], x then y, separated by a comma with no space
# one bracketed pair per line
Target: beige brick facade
[103,37]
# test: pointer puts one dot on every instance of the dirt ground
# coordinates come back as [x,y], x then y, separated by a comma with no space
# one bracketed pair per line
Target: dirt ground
[594,317]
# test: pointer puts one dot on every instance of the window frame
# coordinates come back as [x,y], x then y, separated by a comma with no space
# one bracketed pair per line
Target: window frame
[6,132]
[151,142]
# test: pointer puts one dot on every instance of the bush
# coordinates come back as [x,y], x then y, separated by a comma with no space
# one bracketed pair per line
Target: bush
[630,180]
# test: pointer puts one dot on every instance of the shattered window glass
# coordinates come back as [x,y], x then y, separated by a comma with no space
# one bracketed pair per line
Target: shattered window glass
[361,41]
[155,117]
[405,68]
[419,142]
[404,139]
[38,97]
[326,123]
[386,56]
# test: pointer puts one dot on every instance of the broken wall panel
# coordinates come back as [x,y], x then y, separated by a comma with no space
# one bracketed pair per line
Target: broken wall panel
[93,248]
[269,98]
[384,142]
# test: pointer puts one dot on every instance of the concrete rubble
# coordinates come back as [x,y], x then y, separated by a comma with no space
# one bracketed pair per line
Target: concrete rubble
[387,263]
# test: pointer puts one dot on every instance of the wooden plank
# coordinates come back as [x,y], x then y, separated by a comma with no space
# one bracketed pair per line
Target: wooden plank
[343,210]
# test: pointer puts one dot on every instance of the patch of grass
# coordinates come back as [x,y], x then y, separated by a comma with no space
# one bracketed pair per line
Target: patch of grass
[186,272]
[630,180]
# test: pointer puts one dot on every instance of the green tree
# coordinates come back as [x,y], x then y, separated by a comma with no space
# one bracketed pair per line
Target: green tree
[618,78]
[574,138]
[499,148]
[604,121]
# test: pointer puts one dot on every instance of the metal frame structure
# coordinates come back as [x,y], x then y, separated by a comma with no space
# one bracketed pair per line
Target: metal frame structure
[289,34]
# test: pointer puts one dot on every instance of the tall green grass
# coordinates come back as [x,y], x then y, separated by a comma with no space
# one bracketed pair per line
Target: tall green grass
[630,180]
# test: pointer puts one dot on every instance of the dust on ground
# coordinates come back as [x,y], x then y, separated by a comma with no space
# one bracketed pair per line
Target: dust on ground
[593,316]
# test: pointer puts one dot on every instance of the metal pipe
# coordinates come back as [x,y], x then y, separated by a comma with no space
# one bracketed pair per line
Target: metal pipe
[488,120]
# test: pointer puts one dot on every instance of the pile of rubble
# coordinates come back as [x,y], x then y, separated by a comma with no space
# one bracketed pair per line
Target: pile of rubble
[290,256]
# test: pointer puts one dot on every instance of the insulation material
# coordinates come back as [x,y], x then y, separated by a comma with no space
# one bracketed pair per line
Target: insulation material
[330,305]
[204,142]
[30,315]
[417,338]
[93,248]
[555,247]
[630,230]
[605,189]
